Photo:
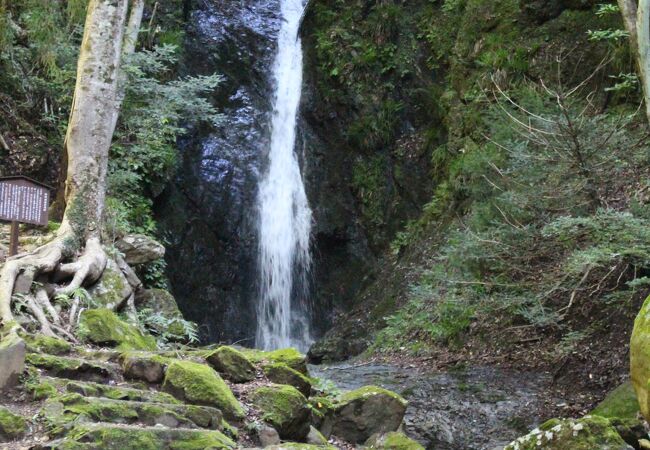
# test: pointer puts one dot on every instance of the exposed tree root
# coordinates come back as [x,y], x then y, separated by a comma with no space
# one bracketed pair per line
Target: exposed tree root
[47,261]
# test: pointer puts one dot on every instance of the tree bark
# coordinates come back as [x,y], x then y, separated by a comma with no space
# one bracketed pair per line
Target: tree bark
[643,49]
[629,11]
[98,95]
[91,125]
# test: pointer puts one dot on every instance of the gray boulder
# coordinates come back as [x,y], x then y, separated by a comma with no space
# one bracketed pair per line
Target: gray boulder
[12,360]
[364,412]
[140,249]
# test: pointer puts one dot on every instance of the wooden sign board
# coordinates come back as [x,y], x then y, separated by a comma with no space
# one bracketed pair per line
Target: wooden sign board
[24,200]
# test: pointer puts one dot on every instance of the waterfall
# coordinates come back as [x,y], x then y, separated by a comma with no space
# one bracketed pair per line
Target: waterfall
[284,214]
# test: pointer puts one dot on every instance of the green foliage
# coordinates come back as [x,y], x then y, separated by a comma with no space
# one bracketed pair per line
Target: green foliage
[431,316]
[143,157]
[168,329]
[536,238]
[368,180]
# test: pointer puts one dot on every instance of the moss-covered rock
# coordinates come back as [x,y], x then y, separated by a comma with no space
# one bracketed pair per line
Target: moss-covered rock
[131,412]
[12,426]
[201,385]
[289,356]
[12,359]
[116,437]
[284,408]
[113,289]
[315,437]
[392,441]
[364,412]
[280,373]
[588,433]
[298,446]
[40,388]
[232,364]
[119,393]
[46,344]
[640,358]
[104,327]
[162,302]
[620,403]
[69,367]
[144,366]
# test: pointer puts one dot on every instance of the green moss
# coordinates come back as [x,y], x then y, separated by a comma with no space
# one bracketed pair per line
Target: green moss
[232,364]
[153,438]
[640,358]
[588,433]
[280,373]
[289,356]
[47,344]
[214,440]
[298,446]
[12,425]
[64,366]
[283,407]
[43,390]
[200,384]
[103,327]
[393,441]
[119,393]
[368,391]
[620,403]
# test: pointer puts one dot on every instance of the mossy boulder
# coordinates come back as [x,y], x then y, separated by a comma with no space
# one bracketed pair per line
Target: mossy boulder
[144,366]
[289,356]
[640,358]
[620,403]
[315,437]
[162,302]
[280,373]
[46,344]
[392,441]
[113,289]
[121,437]
[200,384]
[364,412]
[587,433]
[284,408]
[12,426]
[232,364]
[104,327]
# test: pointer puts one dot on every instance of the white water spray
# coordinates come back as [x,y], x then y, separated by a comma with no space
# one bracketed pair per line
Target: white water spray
[285,217]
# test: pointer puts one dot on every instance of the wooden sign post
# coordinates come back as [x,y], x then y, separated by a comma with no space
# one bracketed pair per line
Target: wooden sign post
[23,200]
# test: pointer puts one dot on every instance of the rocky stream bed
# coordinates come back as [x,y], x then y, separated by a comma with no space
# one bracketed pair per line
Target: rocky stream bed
[478,408]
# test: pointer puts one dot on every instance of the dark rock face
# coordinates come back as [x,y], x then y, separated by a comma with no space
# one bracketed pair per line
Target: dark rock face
[208,214]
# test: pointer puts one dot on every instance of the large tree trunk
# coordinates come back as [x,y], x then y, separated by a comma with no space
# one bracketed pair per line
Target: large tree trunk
[97,99]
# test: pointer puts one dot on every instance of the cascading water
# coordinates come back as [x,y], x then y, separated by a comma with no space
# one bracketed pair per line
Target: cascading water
[285,217]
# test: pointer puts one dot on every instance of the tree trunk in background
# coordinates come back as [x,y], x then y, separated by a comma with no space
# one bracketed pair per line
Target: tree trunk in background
[628,11]
[642,38]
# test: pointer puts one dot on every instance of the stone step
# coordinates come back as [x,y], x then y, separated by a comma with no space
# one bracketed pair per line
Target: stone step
[101,436]
[75,368]
[75,407]
[122,391]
